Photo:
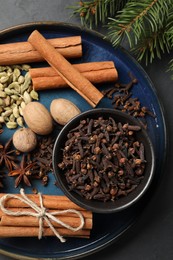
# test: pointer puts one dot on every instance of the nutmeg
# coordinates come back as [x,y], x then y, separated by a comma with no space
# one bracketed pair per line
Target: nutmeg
[38,118]
[24,140]
[62,110]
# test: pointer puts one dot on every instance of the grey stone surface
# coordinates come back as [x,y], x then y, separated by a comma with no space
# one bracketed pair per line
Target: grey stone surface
[151,237]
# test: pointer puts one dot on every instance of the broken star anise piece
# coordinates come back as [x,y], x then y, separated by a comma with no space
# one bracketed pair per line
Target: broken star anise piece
[23,172]
[7,156]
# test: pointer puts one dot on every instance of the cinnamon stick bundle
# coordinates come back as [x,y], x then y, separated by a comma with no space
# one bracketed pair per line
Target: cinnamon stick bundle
[28,226]
[71,75]
[95,72]
[23,52]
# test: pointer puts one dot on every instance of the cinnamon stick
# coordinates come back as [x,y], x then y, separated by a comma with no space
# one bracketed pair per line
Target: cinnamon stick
[95,72]
[49,201]
[13,231]
[23,52]
[85,213]
[71,75]
[30,221]
[82,67]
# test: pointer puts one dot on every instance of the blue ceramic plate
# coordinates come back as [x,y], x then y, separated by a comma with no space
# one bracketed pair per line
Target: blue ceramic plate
[95,48]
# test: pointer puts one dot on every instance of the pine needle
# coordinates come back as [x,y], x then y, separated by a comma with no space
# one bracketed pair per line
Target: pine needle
[147,25]
[96,12]
[134,18]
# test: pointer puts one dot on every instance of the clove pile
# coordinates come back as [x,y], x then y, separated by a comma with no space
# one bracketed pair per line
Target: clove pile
[121,96]
[102,159]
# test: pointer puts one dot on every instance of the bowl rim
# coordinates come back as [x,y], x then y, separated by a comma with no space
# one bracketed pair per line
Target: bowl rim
[79,201]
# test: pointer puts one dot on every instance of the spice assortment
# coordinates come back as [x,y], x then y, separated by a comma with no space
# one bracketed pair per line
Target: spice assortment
[102,159]
[34,165]
[35,114]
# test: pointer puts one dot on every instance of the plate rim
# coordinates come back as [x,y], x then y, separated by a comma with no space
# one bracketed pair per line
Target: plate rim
[162,111]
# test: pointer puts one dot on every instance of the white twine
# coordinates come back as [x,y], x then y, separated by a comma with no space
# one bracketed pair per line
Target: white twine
[41,214]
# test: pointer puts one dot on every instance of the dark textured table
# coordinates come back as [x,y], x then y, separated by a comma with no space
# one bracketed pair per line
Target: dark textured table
[152,236]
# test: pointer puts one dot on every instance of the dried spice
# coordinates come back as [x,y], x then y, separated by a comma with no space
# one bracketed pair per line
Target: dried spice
[23,172]
[102,159]
[8,156]
[122,100]
[34,165]
[15,92]
[24,140]
[42,158]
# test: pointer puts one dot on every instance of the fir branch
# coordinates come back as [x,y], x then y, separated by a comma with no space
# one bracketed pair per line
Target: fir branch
[156,42]
[170,35]
[169,31]
[146,24]
[92,13]
[134,18]
[151,45]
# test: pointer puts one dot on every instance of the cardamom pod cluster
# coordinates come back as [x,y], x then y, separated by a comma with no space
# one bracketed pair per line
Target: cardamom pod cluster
[15,92]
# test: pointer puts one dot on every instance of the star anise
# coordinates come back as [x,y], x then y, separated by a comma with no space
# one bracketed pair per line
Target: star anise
[23,172]
[7,156]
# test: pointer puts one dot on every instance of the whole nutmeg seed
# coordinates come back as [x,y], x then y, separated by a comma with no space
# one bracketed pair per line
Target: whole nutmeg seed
[62,110]
[38,118]
[24,140]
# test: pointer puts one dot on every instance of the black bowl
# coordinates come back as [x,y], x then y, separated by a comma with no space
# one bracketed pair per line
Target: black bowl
[122,202]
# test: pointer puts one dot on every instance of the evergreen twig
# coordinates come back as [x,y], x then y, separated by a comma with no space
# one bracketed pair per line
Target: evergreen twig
[135,18]
[170,35]
[146,24]
[155,42]
[92,13]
